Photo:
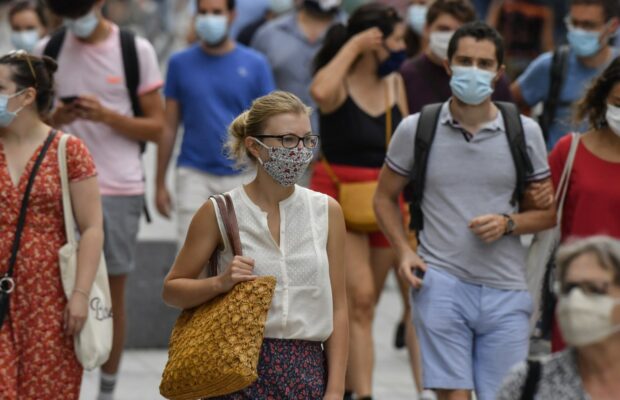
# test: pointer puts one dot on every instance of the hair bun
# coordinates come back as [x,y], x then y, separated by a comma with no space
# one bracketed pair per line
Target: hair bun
[50,64]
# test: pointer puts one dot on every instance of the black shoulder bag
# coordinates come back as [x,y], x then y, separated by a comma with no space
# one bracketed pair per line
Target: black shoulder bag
[7,284]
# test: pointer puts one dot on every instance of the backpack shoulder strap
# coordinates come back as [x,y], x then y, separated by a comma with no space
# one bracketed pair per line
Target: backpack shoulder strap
[131,65]
[557,75]
[518,147]
[425,134]
[54,45]
[530,387]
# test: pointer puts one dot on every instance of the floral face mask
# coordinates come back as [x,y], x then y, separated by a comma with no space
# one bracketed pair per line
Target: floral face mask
[286,166]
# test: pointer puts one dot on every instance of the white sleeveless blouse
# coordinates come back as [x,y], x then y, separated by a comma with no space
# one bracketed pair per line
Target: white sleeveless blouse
[302,306]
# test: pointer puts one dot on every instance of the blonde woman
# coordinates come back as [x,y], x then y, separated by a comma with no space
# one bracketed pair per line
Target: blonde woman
[287,231]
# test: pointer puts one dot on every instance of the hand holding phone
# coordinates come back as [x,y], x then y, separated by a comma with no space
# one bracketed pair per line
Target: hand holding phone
[69,99]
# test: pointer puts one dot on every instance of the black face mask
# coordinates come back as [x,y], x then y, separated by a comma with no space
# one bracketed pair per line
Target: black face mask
[314,7]
[392,63]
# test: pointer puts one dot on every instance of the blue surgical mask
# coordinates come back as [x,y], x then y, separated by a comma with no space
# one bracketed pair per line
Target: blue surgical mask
[6,116]
[392,63]
[25,40]
[84,26]
[280,6]
[584,43]
[211,28]
[471,85]
[416,17]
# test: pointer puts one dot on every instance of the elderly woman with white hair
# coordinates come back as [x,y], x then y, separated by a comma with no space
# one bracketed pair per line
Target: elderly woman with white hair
[589,316]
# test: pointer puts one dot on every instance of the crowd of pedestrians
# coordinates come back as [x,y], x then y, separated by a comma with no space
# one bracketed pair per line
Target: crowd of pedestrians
[460,122]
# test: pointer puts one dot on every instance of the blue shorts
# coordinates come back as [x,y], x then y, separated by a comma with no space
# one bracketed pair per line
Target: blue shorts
[470,335]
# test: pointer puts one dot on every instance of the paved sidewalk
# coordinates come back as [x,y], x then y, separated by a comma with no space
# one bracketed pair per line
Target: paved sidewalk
[141,369]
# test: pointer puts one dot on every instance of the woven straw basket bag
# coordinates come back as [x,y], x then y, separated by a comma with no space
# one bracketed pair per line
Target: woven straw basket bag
[214,348]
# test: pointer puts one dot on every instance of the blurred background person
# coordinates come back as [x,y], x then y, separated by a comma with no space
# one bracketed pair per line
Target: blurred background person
[276,9]
[416,22]
[558,85]
[290,44]
[589,316]
[527,29]
[355,86]
[28,24]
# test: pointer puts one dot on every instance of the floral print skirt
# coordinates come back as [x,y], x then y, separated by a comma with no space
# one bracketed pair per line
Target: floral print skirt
[287,370]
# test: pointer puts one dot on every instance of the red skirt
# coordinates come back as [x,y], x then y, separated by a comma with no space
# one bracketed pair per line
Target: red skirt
[321,182]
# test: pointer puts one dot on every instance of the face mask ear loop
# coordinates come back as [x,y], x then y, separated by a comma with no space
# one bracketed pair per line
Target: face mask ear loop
[260,160]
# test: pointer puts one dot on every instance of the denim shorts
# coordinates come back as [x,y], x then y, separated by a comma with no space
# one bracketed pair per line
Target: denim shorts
[470,335]
[121,222]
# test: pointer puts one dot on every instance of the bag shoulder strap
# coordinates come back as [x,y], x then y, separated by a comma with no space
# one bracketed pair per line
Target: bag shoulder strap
[131,65]
[562,189]
[229,219]
[518,147]
[557,75]
[21,220]
[67,207]
[54,45]
[425,134]
[530,387]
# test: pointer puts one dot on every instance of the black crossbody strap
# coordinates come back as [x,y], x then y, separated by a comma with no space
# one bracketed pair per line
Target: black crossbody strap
[21,221]
[530,387]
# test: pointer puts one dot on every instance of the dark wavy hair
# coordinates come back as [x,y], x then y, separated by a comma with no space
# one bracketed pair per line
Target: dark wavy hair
[593,106]
[367,16]
[42,80]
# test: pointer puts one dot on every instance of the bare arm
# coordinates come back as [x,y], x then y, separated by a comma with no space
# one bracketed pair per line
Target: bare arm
[145,128]
[517,97]
[491,227]
[182,287]
[328,86]
[164,154]
[337,347]
[390,220]
[89,218]
[493,14]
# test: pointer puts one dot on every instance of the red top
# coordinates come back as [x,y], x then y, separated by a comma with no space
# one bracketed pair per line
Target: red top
[592,204]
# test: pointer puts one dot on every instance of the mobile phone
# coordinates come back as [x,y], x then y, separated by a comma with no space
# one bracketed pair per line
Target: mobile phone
[419,273]
[69,99]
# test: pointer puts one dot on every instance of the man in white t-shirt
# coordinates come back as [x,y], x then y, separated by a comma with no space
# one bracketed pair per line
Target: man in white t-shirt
[94,103]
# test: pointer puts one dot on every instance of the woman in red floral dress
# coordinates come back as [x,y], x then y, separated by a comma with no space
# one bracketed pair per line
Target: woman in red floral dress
[37,358]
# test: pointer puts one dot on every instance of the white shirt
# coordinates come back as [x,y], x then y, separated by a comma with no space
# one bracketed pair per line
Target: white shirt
[302,306]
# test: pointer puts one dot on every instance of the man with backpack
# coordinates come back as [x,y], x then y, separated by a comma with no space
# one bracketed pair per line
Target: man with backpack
[470,161]
[108,85]
[559,78]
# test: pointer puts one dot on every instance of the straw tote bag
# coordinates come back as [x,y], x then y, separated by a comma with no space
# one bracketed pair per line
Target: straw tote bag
[94,342]
[540,257]
[356,198]
[214,348]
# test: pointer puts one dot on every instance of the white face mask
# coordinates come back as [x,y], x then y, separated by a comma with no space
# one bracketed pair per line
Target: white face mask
[585,320]
[438,43]
[613,118]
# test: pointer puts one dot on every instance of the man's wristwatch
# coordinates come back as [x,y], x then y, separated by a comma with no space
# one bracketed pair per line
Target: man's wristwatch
[510,224]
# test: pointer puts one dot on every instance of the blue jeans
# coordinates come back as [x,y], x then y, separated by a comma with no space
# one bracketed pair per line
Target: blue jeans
[470,335]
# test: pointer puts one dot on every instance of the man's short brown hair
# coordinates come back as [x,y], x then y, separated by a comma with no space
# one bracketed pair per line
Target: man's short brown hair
[610,7]
[461,10]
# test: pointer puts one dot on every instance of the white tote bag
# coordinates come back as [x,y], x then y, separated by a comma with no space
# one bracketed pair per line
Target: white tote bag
[94,342]
[546,242]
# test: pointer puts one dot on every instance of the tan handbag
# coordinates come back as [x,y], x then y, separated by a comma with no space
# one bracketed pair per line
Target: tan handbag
[214,348]
[356,198]
[94,342]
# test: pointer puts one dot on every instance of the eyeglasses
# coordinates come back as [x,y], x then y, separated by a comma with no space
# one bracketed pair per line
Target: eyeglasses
[291,141]
[588,287]
[20,55]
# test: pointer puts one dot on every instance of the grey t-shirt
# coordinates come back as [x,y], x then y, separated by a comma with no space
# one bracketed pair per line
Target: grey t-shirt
[466,177]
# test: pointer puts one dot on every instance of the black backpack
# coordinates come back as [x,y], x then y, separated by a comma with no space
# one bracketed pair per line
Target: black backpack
[425,134]
[131,65]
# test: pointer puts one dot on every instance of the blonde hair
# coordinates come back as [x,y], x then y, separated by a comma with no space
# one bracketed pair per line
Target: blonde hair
[252,122]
